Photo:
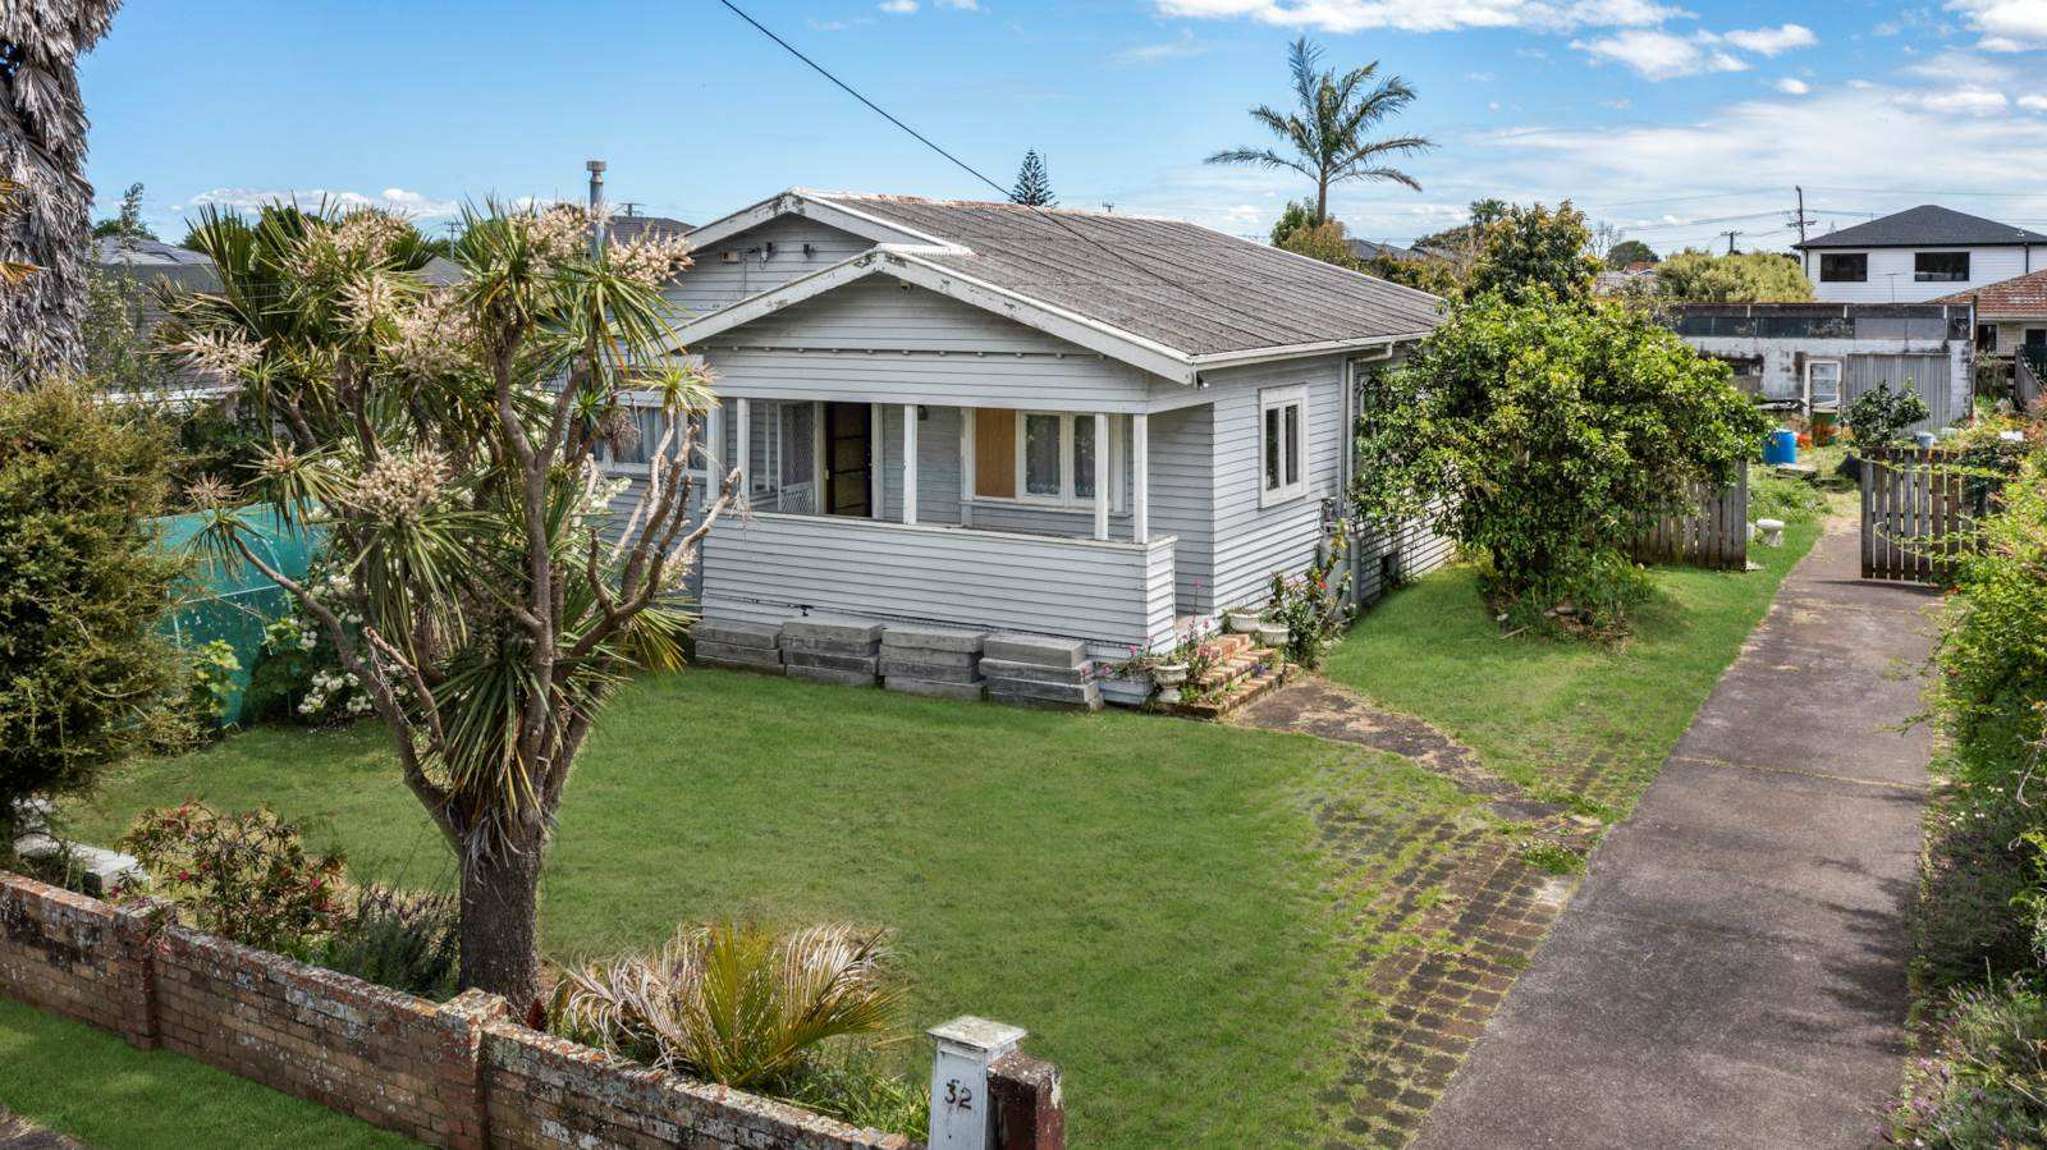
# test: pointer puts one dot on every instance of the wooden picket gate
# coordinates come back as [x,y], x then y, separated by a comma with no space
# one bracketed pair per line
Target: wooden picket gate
[1914,512]
[1715,537]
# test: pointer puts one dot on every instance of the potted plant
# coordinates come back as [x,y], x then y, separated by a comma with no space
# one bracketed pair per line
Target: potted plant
[1242,621]
[1169,677]
[1130,682]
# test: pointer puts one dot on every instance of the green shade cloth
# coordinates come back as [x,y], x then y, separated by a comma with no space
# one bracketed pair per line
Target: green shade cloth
[234,602]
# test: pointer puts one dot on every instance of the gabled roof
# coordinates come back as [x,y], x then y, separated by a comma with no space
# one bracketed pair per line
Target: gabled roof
[626,229]
[2022,297]
[1169,296]
[1926,226]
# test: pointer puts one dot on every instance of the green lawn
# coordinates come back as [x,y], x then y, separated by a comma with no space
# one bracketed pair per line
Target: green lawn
[1581,722]
[1145,895]
[89,1084]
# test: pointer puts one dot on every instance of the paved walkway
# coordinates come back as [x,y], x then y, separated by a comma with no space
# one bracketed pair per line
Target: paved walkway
[17,1133]
[1732,972]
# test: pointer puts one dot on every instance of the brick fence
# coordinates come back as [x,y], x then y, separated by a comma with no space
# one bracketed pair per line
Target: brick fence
[455,1075]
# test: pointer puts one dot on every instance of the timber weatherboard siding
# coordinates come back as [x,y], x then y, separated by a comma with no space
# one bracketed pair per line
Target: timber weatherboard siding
[774,567]
[1252,543]
[711,283]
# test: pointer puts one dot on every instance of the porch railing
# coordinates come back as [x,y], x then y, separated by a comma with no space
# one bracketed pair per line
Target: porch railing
[772,567]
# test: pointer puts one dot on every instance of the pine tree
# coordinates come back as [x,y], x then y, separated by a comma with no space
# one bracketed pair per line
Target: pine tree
[1033,187]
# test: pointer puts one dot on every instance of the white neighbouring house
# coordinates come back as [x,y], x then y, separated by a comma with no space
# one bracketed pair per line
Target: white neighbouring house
[1918,255]
[1089,426]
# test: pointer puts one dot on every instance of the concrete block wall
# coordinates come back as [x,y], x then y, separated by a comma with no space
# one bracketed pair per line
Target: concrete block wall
[459,1074]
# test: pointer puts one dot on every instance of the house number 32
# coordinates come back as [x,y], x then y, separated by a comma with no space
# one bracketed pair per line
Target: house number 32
[958,1097]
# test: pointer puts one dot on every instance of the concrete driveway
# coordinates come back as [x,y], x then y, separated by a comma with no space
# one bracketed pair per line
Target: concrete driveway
[1732,972]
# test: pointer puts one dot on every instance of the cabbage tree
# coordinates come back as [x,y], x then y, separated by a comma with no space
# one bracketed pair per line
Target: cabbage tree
[446,439]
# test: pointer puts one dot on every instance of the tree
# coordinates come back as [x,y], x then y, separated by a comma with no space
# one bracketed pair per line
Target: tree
[1324,241]
[127,223]
[1436,276]
[1298,215]
[1627,253]
[1551,429]
[1033,187]
[1460,245]
[85,678]
[1535,249]
[42,153]
[447,437]
[1880,415]
[1745,277]
[1327,131]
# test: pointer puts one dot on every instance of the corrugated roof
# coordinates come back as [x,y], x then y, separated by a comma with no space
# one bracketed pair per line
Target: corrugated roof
[1178,284]
[2021,297]
[1926,226]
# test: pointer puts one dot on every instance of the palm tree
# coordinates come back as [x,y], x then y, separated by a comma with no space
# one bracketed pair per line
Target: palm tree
[1327,131]
[42,153]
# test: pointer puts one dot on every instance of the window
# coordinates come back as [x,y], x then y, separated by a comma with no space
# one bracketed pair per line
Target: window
[1042,456]
[1940,267]
[1282,444]
[1844,268]
[634,449]
[1986,338]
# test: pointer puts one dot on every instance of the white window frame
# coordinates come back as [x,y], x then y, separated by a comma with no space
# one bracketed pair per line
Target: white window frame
[1066,500]
[1840,380]
[1279,398]
[640,401]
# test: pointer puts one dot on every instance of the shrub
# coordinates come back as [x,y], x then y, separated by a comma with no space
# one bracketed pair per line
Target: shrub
[1776,497]
[85,679]
[299,677]
[736,1005]
[1880,416]
[1312,610]
[246,877]
[409,941]
[1986,1087]
[213,669]
[1553,431]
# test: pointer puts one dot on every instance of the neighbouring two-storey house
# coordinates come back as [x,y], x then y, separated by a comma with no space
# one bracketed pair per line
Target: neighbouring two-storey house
[1083,425]
[1918,255]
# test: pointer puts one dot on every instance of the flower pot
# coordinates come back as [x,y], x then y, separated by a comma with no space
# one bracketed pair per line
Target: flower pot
[1126,692]
[1272,635]
[1242,622]
[1169,677]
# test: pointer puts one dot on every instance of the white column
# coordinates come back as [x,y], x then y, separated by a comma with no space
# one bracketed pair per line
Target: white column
[1101,475]
[1140,477]
[909,463]
[966,466]
[714,443]
[877,439]
[743,452]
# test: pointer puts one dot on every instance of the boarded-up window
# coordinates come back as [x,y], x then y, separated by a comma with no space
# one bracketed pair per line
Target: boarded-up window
[995,453]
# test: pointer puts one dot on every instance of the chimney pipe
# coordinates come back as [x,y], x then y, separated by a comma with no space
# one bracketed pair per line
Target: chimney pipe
[596,170]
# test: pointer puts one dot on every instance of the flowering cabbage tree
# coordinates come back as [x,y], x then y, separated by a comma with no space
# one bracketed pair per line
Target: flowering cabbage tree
[446,439]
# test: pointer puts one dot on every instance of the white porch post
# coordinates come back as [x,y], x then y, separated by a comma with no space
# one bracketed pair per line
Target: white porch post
[1101,475]
[743,452]
[1140,477]
[877,438]
[966,466]
[714,442]
[909,463]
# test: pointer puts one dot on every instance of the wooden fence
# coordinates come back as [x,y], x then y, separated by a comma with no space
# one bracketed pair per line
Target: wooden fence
[1913,513]
[1716,537]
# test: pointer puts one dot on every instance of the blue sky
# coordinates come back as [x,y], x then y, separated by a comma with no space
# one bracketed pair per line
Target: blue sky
[1666,119]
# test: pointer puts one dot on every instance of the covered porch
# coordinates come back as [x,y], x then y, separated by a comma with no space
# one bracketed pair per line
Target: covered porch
[995,518]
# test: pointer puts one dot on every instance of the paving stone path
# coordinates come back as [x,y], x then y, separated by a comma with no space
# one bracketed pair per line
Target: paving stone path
[18,1133]
[1733,972]
[1446,935]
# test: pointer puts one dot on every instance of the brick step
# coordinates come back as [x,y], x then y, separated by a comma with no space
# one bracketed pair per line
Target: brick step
[1236,695]
[1234,668]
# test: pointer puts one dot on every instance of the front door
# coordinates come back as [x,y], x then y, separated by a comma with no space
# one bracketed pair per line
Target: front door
[848,459]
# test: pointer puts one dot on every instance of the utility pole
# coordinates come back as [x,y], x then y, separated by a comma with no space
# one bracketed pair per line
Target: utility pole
[1730,240]
[596,170]
[1802,220]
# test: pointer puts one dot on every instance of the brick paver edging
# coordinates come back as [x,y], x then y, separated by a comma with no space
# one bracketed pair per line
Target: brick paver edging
[459,1074]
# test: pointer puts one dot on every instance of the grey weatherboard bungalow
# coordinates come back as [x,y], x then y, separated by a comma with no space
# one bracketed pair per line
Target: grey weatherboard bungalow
[1092,426]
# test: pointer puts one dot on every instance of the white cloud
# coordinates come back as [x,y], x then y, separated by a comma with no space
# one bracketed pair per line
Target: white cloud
[898,7]
[1180,47]
[1964,101]
[2005,25]
[2033,103]
[1656,55]
[1791,86]
[1340,16]
[1771,41]
[414,205]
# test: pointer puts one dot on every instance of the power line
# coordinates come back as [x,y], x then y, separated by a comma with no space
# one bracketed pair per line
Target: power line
[972,171]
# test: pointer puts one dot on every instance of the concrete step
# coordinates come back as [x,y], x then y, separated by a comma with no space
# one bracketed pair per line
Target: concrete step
[765,636]
[725,655]
[1035,650]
